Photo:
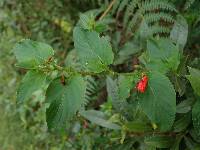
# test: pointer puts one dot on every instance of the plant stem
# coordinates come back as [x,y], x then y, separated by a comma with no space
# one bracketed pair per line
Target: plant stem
[107,10]
[132,134]
[85,73]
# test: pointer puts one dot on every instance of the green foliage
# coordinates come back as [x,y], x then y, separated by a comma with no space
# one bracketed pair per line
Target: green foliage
[99,118]
[66,102]
[179,32]
[159,141]
[184,106]
[159,101]
[125,85]
[194,79]
[113,92]
[89,87]
[87,21]
[135,10]
[182,123]
[188,4]
[32,81]
[127,51]
[196,117]
[139,127]
[95,52]
[31,54]
[162,55]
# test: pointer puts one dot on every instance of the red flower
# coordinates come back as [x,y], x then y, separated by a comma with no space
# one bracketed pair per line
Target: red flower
[142,84]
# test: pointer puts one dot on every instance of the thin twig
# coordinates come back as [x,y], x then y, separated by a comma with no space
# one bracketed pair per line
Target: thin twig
[107,10]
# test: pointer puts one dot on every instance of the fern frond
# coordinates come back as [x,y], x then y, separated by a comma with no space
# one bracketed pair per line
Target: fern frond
[113,92]
[123,4]
[154,12]
[129,11]
[155,17]
[157,29]
[134,21]
[115,6]
[91,89]
[188,4]
[151,5]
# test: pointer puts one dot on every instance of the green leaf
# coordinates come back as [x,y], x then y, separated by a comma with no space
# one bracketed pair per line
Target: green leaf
[65,100]
[30,54]
[119,103]
[159,141]
[119,90]
[32,81]
[182,123]
[194,79]
[177,142]
[113,92]
[95,52]
[87,21]
[196,117]
[137,127]
[143,32]
[103,25]
[179,84]
[194,135]
[160,48]
[157,65]
[184,106]
[112,89]
[190,143]
[125,84]
[159,101]
[163,55]
[72,61]
[99,118]
[127,51]
[179,32]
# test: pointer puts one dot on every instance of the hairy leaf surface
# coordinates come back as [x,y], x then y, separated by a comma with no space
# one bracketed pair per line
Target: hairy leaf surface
[65,100]
[95,52]
[30,54]
[159,101]
[125,84]
[32,81]
[163,55]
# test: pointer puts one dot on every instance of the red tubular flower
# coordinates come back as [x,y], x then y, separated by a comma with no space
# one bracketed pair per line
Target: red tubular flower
[142,84]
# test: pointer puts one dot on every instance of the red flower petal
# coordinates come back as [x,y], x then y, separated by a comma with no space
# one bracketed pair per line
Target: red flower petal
[142,84]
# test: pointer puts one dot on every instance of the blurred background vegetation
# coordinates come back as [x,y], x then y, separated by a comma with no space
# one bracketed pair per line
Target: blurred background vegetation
[24,127]
[50,21]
